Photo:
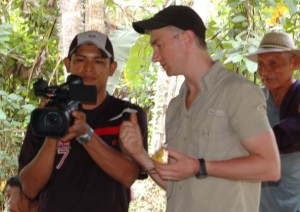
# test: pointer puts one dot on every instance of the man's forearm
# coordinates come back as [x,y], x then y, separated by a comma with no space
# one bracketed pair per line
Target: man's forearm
[119,166]
[146,162]
[35,175]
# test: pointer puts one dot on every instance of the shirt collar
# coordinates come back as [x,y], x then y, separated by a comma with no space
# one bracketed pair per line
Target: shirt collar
[208,80]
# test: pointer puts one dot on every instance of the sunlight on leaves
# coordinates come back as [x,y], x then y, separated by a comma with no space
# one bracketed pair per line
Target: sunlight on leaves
[276,13]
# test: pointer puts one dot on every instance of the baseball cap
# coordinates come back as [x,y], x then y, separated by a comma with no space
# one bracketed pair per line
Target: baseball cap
[179,16]
[275,42]
[93,37]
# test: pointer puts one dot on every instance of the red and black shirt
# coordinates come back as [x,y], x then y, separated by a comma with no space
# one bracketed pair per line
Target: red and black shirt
[77,183]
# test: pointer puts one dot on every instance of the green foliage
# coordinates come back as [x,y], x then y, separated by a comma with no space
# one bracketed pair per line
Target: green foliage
[14,116]
[28,49]
[137,79]
[240,27]
[122,41]
[135,70]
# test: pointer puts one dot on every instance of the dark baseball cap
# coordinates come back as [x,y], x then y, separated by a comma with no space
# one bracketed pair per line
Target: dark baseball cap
[93,37]
[182,17]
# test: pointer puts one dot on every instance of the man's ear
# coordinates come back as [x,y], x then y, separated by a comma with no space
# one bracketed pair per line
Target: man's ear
[297,62]
[67,63]
[112,68]
[189,37]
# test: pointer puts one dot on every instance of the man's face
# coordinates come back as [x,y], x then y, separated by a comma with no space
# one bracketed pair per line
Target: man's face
[276,69]
[168,50]
[17,202]
[89,63]
[13,197]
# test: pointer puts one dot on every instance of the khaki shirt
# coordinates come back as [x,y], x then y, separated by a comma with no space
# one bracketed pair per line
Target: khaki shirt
[228,109]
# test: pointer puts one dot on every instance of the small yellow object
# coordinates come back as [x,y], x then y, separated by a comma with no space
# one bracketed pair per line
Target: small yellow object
[160,156]
[2,185]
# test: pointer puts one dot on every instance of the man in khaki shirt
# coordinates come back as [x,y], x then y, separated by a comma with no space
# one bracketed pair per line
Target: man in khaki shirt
[220,144]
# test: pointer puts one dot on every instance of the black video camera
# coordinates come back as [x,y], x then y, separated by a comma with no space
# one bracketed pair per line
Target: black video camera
[55,118]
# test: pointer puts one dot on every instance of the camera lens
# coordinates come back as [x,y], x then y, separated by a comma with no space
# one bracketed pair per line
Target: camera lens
[53,120]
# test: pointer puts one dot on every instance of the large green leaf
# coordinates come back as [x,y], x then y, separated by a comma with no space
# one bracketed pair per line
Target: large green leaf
[139,62]
[122,40]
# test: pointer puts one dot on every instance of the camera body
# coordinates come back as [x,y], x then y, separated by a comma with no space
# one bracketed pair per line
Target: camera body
[56,117]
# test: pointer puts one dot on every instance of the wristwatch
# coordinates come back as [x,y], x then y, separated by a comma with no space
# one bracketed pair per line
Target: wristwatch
[85,138]
[202,173]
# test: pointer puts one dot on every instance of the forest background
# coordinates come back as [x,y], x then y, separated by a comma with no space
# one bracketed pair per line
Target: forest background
[35,35]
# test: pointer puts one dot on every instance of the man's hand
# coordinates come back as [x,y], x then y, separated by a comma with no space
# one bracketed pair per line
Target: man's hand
[180,166]
[79,127]
[130,136]
[43,103]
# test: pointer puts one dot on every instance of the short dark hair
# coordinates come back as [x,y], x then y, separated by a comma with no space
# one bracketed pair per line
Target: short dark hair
[14,181]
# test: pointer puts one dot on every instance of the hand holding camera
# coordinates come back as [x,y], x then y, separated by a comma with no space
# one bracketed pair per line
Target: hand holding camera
[78,128]
[55,119]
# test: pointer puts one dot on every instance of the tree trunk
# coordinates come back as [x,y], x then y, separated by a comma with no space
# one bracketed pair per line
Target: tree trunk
[71,22]
[95,15]
[77,17]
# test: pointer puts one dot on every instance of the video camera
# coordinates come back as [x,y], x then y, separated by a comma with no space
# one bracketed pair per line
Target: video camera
[55,118]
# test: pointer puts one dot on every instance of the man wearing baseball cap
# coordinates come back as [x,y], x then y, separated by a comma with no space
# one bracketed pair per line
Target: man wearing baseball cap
[86,170]
[278,58]
[219,142]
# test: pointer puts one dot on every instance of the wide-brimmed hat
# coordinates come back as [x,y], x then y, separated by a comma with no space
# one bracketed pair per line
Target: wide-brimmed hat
[179,16]
[275,42]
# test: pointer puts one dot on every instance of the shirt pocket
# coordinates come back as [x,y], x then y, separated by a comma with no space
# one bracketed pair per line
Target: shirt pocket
[220,137]
[218,121]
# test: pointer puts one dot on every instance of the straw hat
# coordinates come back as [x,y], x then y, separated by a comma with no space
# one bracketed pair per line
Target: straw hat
[275,42]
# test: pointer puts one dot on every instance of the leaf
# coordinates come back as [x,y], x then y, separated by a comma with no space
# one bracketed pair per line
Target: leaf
[238,19]
[235,58]
[15,97]
[28,107]
[218,55]
[3,93]
[122,41]
[3,51]
[139,62]
[291,6]
[251,66]
[2,115]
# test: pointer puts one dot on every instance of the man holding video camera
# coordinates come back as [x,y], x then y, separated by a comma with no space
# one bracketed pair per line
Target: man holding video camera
[84,170]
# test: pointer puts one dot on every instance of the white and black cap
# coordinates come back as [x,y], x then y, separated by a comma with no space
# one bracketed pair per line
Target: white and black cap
[93,37]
